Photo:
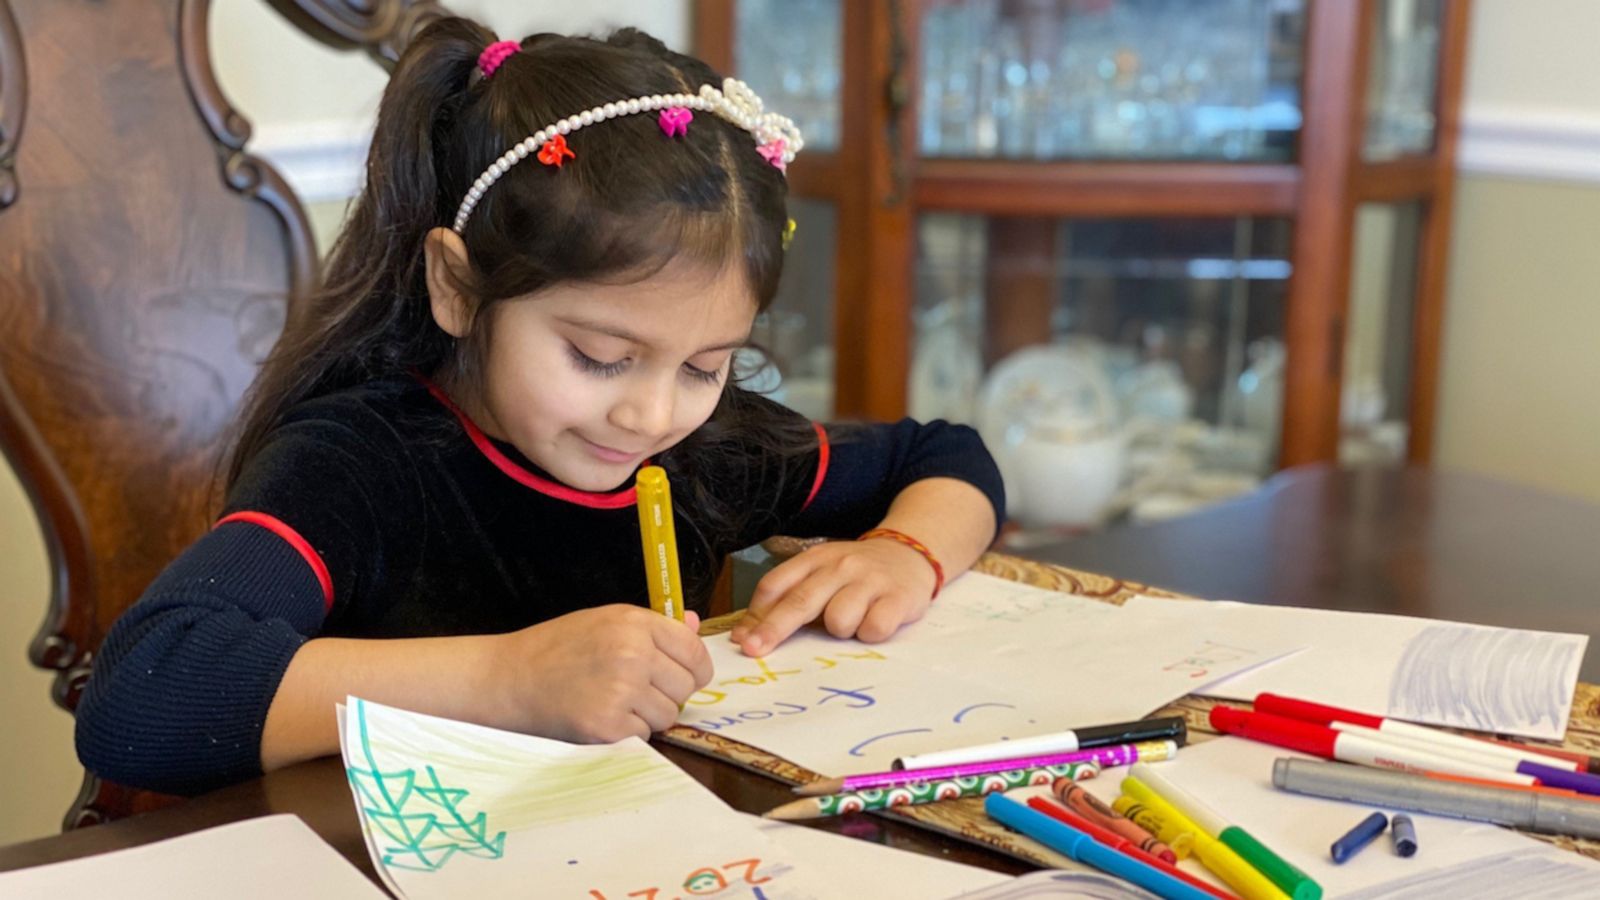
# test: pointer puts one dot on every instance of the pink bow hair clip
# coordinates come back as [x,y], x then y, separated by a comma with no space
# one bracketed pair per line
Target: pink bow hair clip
[772,152]
[675,120]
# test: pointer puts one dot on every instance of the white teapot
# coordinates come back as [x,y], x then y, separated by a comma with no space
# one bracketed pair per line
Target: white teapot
[1051,420]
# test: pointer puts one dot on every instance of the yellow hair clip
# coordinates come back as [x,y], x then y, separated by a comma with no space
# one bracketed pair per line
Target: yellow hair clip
[788,233]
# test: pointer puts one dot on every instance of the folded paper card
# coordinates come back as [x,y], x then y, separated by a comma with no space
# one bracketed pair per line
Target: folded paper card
[454,810]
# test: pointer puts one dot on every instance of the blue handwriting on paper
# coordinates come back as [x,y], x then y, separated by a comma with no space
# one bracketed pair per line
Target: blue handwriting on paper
[957,719]
[854,698]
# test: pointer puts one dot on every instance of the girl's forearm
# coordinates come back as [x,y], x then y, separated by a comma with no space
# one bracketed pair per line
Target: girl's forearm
[437,676]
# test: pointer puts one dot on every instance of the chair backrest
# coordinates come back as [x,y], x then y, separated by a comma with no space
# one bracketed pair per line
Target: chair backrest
[147,264]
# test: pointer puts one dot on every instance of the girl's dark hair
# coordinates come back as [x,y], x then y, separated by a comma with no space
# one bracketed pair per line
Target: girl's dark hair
[629,203]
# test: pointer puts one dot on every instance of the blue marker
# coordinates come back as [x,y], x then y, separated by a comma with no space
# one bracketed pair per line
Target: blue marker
[1359,836]
[1077,845]
[1405,836]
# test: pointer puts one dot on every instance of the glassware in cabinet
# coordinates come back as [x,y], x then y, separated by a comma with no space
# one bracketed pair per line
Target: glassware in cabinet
[788,51]
[1112,365]
[793,355]
[1402,78]
[1103,79]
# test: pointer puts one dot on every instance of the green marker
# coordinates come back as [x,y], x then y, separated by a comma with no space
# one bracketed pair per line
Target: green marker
[1279,871]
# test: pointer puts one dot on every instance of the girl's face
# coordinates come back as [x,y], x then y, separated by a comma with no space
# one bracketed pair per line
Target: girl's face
[590,380]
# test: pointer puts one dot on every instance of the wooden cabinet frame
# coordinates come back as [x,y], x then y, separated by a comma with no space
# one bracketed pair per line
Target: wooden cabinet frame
[878,185]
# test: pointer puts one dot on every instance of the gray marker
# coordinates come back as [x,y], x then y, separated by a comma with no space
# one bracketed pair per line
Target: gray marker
[1398,790]
[1404,835]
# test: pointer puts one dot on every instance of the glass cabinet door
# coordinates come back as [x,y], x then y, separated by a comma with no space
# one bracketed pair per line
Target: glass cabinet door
[1376,386]
[792,360]
[788,51]
[1143,79]
[1115,367]
[1403,78]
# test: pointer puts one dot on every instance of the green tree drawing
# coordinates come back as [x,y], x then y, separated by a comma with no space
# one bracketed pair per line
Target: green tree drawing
[419,821]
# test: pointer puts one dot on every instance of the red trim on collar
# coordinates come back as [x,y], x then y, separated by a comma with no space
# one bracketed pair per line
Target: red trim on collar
[301,546]
[822,464]
[522,476]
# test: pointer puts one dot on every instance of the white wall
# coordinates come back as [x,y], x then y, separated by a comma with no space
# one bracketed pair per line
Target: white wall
[1521,370]
[312,108]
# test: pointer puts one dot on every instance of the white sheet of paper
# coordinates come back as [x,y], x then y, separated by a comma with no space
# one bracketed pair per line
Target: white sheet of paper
[454,810]
[1059,884]
[1234,777]
[1440,673]
[873,870]
[993,660]
[241,861]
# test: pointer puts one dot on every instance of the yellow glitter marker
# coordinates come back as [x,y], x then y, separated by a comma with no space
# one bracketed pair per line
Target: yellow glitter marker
[1244,879]
[660,542]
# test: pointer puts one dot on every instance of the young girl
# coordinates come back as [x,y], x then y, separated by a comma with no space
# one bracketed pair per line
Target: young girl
[559,247]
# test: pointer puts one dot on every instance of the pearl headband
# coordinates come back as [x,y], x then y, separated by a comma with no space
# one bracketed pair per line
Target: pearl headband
[777,137]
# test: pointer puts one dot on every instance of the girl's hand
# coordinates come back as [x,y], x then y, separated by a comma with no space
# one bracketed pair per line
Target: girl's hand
[597,675]
[862,589]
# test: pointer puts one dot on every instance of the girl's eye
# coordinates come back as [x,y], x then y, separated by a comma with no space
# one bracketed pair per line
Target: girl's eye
[709,377]
[594,366]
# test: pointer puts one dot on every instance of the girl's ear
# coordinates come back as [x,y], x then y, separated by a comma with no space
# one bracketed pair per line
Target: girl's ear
[447,268]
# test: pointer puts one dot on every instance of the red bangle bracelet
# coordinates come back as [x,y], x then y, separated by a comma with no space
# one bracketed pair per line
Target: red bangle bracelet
[913,543]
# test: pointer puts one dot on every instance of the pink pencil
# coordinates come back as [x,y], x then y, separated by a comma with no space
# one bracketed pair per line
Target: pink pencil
[1105,757]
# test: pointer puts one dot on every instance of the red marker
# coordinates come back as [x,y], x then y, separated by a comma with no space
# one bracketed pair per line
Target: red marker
[1121,844]
[1307,711]
[1361,749]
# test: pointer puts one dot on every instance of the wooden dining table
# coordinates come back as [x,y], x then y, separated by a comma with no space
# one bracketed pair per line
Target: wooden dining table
[1412,541]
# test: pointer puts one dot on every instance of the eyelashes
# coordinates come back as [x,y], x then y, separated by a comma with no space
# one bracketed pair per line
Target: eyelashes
[595,367]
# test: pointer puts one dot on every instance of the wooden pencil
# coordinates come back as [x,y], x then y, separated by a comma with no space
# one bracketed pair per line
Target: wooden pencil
[926,792]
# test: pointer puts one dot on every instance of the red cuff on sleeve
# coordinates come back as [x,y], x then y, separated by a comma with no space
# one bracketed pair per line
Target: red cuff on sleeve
[300,544]
[822,463]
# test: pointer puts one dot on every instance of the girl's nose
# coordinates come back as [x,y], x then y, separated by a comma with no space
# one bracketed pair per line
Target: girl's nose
[646,408]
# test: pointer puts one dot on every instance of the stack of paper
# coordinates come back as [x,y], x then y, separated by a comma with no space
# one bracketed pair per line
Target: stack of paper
[1504,680]
[993,660]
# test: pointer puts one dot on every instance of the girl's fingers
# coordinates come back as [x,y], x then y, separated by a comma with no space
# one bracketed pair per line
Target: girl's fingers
[848,607]
[656,710]
[800,605]
[673,680]
[679,644]
[772,587]
[886,616]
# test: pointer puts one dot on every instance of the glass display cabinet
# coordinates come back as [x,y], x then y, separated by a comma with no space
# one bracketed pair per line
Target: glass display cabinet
[1152,249]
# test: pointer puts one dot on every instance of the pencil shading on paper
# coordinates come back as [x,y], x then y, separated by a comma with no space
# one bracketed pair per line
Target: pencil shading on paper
[1543,873]
[1489,679]
[1507,680]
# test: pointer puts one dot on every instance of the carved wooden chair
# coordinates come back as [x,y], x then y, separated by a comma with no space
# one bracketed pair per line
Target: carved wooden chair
[149,262]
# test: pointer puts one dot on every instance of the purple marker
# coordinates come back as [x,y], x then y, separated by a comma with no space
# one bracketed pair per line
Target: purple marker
[1549,776]
[1105,757]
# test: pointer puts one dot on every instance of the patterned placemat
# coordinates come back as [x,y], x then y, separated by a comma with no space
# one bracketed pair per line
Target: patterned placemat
[965,818]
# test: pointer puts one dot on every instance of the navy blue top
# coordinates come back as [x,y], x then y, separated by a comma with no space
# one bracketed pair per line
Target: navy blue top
[381,511]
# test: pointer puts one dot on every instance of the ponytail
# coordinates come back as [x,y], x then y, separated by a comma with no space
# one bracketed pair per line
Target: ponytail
[370,316]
